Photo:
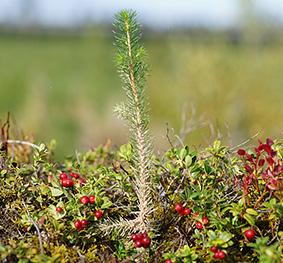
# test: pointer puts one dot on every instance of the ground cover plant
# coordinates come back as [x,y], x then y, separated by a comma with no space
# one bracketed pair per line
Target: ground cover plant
[127,204]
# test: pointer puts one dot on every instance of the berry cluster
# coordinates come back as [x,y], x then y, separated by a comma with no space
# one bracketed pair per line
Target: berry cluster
[80,224]
[187,211]
[141,240]
[181,210]
[67,179]
[87,199]
[218,253]
[91,199]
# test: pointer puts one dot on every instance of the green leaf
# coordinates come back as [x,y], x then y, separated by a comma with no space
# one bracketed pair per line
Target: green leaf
[217,144]
[252,212]
[225,236]
[41,147]
[207,168]
[188,161]
[250,219]
[234,220]
[3,172]
[212,235]
[2,249]
[195,195]
[56,191]
[183,153]
[125,151]
[106,203]
[44,189]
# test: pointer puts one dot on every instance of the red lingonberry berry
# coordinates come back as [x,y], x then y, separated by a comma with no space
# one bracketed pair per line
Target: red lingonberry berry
[199,225]
[139,236]
[216,255]
[84,200]
[138,243]
[221,254]
[75,175]
[250,234]
[179,208]
[82,181]
[144,235]
[98,214]
[63,176]
[186,211]
[84,223]
[134,237]
[59,209]
[146,242]
[214,249]
[92,199]
[67,182]
[205,220]
[168,261]
[78,225]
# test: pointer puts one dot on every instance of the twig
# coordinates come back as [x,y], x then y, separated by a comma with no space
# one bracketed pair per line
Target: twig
[180,184]
[189,125]
[276,234]
[82,257]
[180,140]
[260,198]
[167,135]
[77,157]
[245,142]
[36,227]
[22,142]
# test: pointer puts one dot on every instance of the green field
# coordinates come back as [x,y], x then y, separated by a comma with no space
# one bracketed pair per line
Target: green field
[65,87]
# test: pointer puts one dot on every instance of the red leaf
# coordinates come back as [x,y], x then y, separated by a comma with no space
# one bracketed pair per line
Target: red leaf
[241,152]
[248,168]
[261,162]
[269,141]
[270,160]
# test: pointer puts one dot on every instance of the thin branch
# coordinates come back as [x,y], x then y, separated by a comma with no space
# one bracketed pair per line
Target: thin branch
[167,135]
[233,149]
[23,143]
[36,227]
[82,257]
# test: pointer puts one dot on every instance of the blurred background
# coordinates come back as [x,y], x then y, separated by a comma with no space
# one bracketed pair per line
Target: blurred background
[216,70]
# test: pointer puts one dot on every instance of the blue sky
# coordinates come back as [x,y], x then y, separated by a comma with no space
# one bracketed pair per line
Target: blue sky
[165,13]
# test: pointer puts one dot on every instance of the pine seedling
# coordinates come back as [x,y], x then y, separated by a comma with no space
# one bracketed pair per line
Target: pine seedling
[132,68]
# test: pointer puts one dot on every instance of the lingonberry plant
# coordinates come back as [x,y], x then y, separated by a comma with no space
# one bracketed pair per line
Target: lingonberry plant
[126,204]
